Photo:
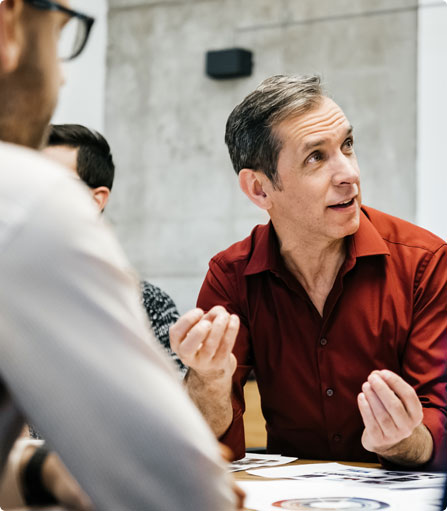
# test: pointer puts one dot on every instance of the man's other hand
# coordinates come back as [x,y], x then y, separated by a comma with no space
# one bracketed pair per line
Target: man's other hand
[63,486]
[392,415]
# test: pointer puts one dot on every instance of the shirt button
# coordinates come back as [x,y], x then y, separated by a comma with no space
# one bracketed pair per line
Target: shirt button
[323,341]
[329,392]
[336,438]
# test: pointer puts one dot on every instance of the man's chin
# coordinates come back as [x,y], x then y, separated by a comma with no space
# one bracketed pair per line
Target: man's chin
[350,227]
[353,226]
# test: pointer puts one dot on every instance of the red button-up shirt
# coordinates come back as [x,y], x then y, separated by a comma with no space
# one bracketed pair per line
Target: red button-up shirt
[386,310]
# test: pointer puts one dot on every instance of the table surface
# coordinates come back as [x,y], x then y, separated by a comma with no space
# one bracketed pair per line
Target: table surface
[243,476]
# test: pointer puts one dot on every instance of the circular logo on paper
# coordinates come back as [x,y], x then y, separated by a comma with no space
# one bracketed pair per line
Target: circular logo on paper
[330,504]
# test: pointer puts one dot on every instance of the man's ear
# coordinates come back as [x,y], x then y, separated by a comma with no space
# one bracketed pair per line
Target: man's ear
[256,187]
[101,196]
[11,34]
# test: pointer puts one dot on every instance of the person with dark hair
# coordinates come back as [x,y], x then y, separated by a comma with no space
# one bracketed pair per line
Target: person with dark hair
[87,153]
[342,307]
[77,357]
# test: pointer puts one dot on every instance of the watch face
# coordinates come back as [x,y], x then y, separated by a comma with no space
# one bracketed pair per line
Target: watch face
[330,504]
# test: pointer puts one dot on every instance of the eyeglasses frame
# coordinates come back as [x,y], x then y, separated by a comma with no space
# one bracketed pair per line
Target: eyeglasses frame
[49,5]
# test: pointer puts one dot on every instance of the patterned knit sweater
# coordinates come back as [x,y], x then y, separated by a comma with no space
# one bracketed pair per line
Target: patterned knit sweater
[162,313]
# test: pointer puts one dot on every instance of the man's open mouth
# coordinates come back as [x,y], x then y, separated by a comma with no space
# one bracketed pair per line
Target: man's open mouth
[344,204]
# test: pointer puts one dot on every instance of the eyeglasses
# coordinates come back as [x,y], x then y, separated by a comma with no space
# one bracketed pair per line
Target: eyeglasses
[75,33]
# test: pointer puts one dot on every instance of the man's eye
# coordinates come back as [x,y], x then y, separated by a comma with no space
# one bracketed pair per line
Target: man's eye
[348,143]
[314,157]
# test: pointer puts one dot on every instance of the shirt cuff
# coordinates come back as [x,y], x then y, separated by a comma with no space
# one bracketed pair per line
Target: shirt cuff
[234,436]
[435,422]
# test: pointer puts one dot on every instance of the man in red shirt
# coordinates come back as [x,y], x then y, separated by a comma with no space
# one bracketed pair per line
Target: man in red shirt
[342,308]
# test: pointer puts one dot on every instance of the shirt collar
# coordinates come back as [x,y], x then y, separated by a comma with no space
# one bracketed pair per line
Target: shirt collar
[367,241]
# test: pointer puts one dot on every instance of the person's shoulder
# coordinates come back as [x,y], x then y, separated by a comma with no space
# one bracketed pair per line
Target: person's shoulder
[154,292]
[23,165]
[239,253]
[27,181]
[153,296]
[396,231]
[28,177]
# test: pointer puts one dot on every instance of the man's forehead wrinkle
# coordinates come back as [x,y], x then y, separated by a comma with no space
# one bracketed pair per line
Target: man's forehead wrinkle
[323,120]
[321,135]
[313,127]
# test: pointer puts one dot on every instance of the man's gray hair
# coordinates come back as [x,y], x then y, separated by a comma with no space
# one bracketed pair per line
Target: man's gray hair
[250,134]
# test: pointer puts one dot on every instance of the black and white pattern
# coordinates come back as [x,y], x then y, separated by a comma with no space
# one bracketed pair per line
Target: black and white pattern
[162,313]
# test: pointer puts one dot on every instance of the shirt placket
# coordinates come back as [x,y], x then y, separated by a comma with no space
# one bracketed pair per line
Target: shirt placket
[330,395]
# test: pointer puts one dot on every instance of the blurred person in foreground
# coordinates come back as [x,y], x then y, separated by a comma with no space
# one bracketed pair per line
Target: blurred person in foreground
[342,307]
[77,357]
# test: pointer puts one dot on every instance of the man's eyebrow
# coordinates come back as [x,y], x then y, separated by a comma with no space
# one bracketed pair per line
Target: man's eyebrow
[316,143]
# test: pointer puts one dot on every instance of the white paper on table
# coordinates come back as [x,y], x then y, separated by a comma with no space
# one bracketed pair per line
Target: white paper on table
[259,460]
[336,472]
[270,496]
[294,470]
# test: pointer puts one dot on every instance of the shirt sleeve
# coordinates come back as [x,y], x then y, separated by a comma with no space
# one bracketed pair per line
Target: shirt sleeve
[218,289]
[81,362]
[424,364]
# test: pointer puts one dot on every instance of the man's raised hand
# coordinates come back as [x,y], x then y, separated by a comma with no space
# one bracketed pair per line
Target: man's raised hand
[204,342]
[392,414]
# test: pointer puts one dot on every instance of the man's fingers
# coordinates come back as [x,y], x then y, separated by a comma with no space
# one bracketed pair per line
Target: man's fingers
[240,496]
[214,312]
[381,415]
[205,341]
[229,338]
[369,420]
[216,334]
[63,486]
[405,393]
[193,341]
[392,404]
[183,325]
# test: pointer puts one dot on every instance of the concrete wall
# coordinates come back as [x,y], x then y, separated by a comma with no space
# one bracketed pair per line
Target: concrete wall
[176,201]
[82,97]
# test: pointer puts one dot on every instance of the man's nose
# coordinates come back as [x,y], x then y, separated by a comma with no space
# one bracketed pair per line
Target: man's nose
[345,170]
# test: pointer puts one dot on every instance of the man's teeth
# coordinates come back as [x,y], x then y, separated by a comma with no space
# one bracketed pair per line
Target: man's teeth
[344,203]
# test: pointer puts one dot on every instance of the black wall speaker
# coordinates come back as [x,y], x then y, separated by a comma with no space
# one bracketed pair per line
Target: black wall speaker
[230,63]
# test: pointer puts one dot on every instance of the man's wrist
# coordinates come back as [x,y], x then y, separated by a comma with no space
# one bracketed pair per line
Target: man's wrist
[209,378]
[415,450]
[34,490]
[212,396]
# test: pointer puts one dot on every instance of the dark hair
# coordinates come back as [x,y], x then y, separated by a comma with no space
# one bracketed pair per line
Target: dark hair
[95,163]
[250,134]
